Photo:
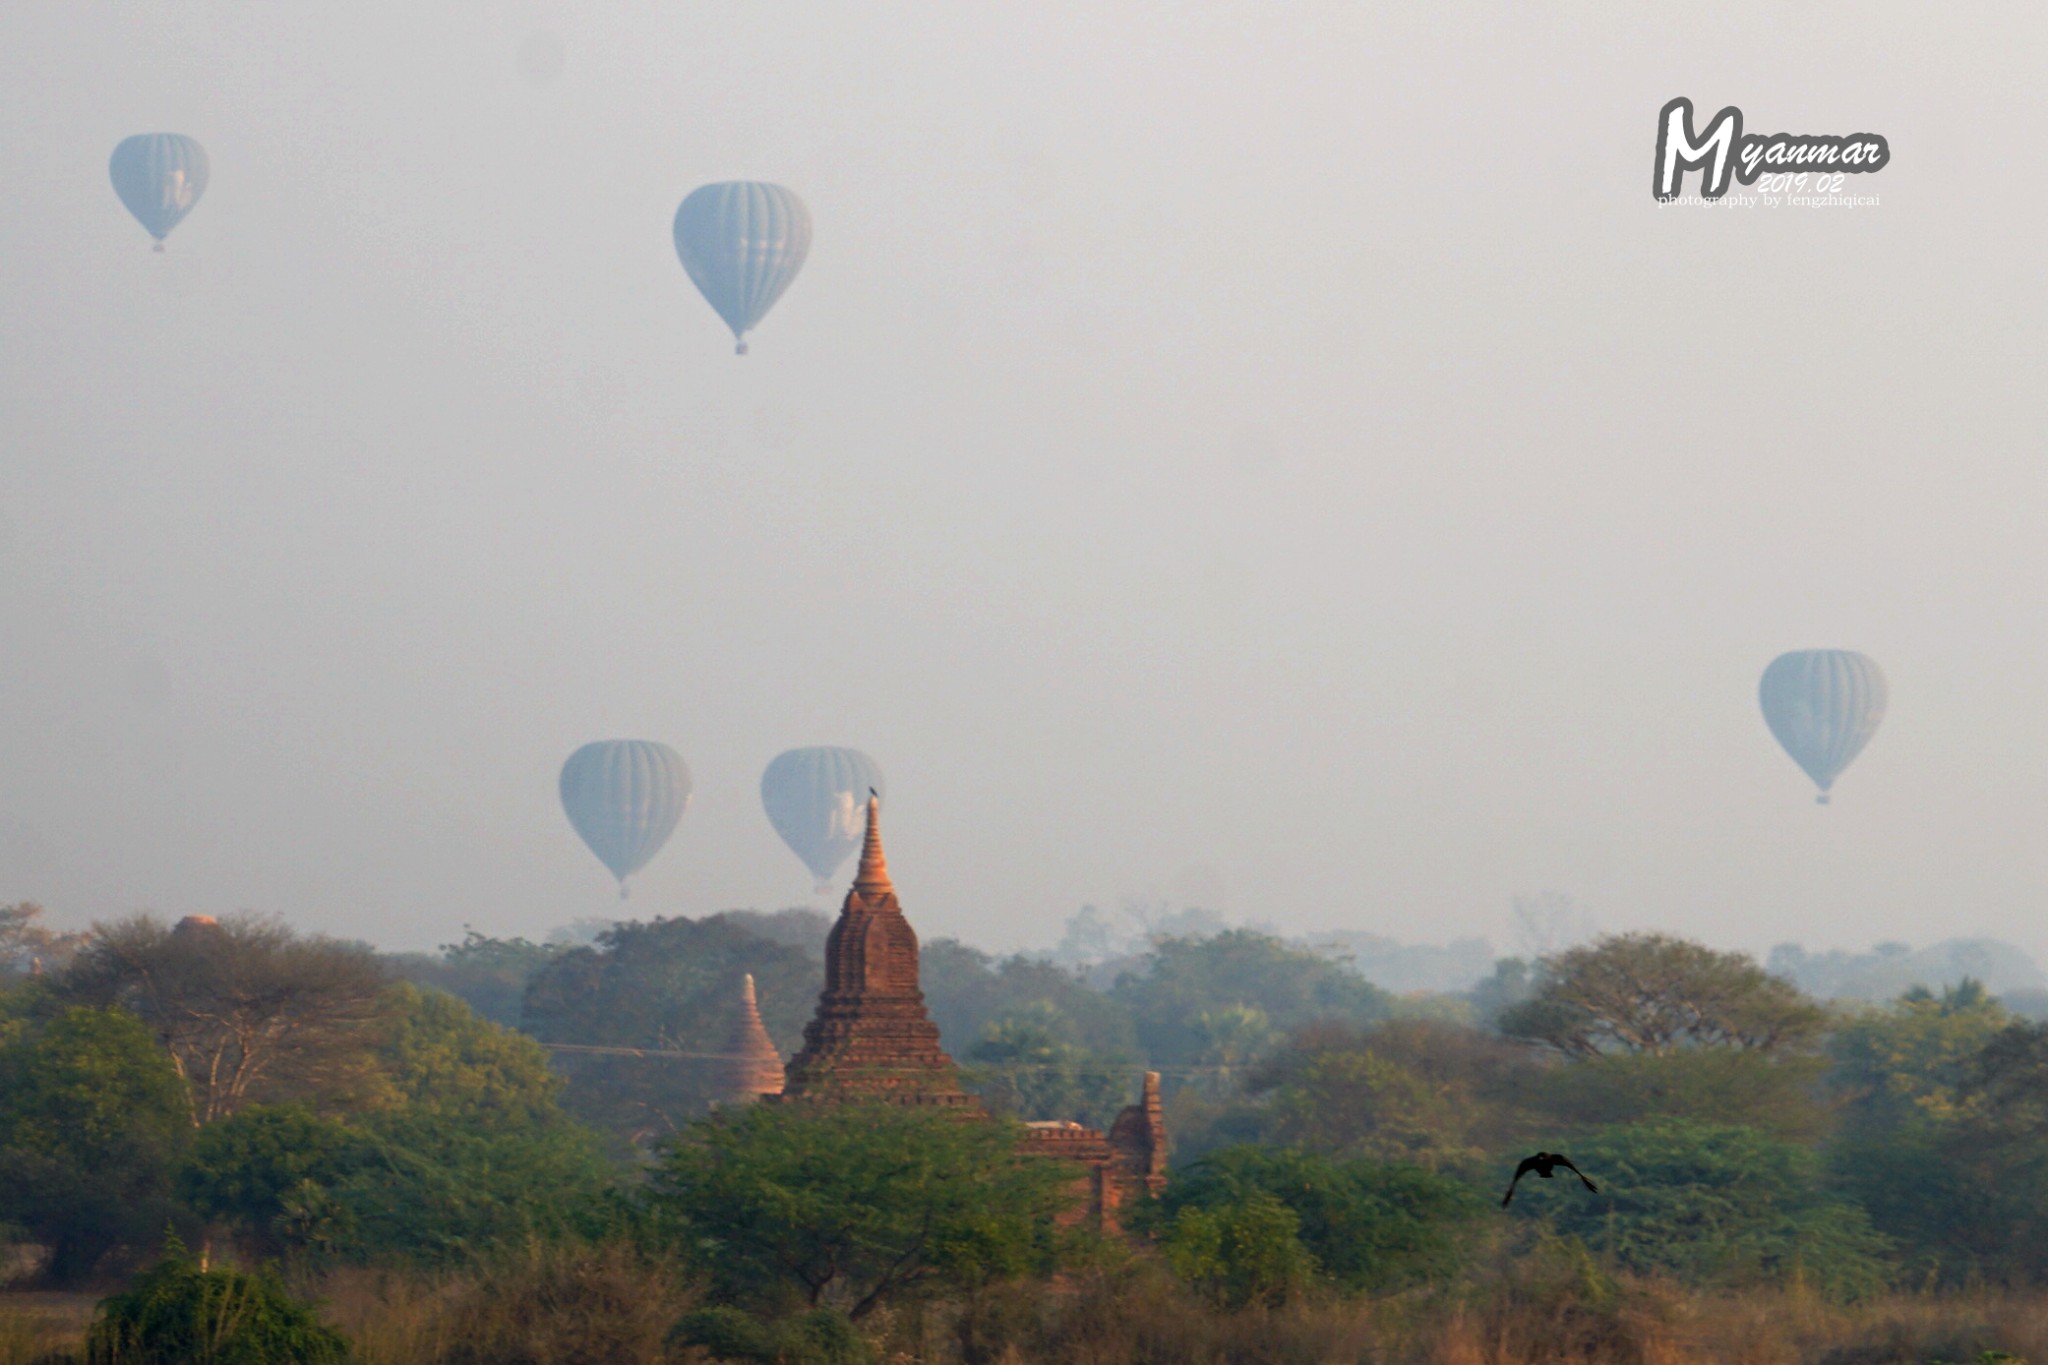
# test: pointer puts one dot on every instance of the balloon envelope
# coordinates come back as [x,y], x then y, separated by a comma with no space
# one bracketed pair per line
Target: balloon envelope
[742,242]
[159,176]
[1823,705]
[624,796]
[817,800]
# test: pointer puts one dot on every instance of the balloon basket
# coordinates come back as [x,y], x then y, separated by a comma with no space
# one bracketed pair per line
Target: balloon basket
[158,248]
[1821,800]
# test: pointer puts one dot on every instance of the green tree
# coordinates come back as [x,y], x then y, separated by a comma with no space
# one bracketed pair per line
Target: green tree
[178,1314]
[852,1206]
[819,1337]
[1184,979]
[250,1011]
[92,1117]
[1368,1225]
[491,974]
[1656,994]
[967,990]
[671,985]
[1407,1090]
[441,1056]
[1773,1092]
[248,1170]
[1026,1064]
[1243,1252]
[1712,1204]
[432,1188]
[1989,1152]
[1911,1059]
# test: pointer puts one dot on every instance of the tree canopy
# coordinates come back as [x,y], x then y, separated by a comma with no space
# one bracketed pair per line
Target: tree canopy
[851,1206]
[92,1118]
[1188,979]
[249,1011]
[1656,994]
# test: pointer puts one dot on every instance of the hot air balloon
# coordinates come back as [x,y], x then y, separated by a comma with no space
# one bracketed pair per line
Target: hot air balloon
[742,242]
[624,796]
[817,801]
[1823,705]
[159,176]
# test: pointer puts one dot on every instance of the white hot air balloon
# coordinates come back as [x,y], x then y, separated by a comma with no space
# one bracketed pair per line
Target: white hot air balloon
[625,796]
[159,177]
[1823,705]
[817,800]
[742,242]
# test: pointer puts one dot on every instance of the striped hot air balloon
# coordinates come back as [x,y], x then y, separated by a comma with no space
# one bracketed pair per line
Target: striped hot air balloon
[1823,705]
[159,176]
[624,796]
[817,800]
[742,242]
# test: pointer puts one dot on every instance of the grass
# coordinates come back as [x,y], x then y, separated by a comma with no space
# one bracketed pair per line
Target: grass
[36,1325]
[608,1306]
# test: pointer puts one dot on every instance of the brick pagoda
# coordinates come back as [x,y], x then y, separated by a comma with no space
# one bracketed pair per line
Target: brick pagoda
[871,1038]
[872,1041]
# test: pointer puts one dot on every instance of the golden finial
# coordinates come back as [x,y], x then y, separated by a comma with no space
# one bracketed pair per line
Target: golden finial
[874,868]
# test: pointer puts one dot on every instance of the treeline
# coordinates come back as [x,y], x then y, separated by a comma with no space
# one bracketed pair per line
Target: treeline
[270,1097]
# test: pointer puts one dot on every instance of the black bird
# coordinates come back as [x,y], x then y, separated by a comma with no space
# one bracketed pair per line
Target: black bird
[1543,1163]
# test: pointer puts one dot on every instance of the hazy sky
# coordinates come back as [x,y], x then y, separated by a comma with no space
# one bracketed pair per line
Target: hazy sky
[1270,455]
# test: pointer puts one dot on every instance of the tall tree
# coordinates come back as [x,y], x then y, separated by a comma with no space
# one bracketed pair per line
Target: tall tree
[441,1055]
[1915,1057]
[249,1010]
[1028,1064]
[1185,979]
[91,1119]
[1410,1090]
[852,1206]
[1712,1203]
[1652,993]
[966,990]
[670,985]
[1367,1224]
[27,945]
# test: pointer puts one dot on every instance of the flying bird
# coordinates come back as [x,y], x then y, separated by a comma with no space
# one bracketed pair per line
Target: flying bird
[1543,1163]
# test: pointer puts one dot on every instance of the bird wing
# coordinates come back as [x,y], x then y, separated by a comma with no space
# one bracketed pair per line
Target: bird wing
[1528,1165]
[1566,1163]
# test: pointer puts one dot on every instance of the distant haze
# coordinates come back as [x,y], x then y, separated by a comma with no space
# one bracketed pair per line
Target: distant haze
[1275,457]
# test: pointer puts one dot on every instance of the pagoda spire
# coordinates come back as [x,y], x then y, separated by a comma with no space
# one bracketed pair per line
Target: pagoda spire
[871,1038]
[751,1067]
[873,877]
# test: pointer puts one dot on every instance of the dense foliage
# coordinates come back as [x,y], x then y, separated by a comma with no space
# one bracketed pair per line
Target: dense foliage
[180,1314]
[1358,1224]
[92,1118]
[278,1097]
[851,1206]
[669,985]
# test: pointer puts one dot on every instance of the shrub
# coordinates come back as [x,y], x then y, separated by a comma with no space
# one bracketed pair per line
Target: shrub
[1365,1224]
[820,1337]
[570,1302]
[1712,1204]
[1246,1251]
[178,1314]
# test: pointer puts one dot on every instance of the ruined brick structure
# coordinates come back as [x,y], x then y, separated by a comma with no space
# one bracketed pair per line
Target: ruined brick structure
[872,1041]
[1129,1163]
